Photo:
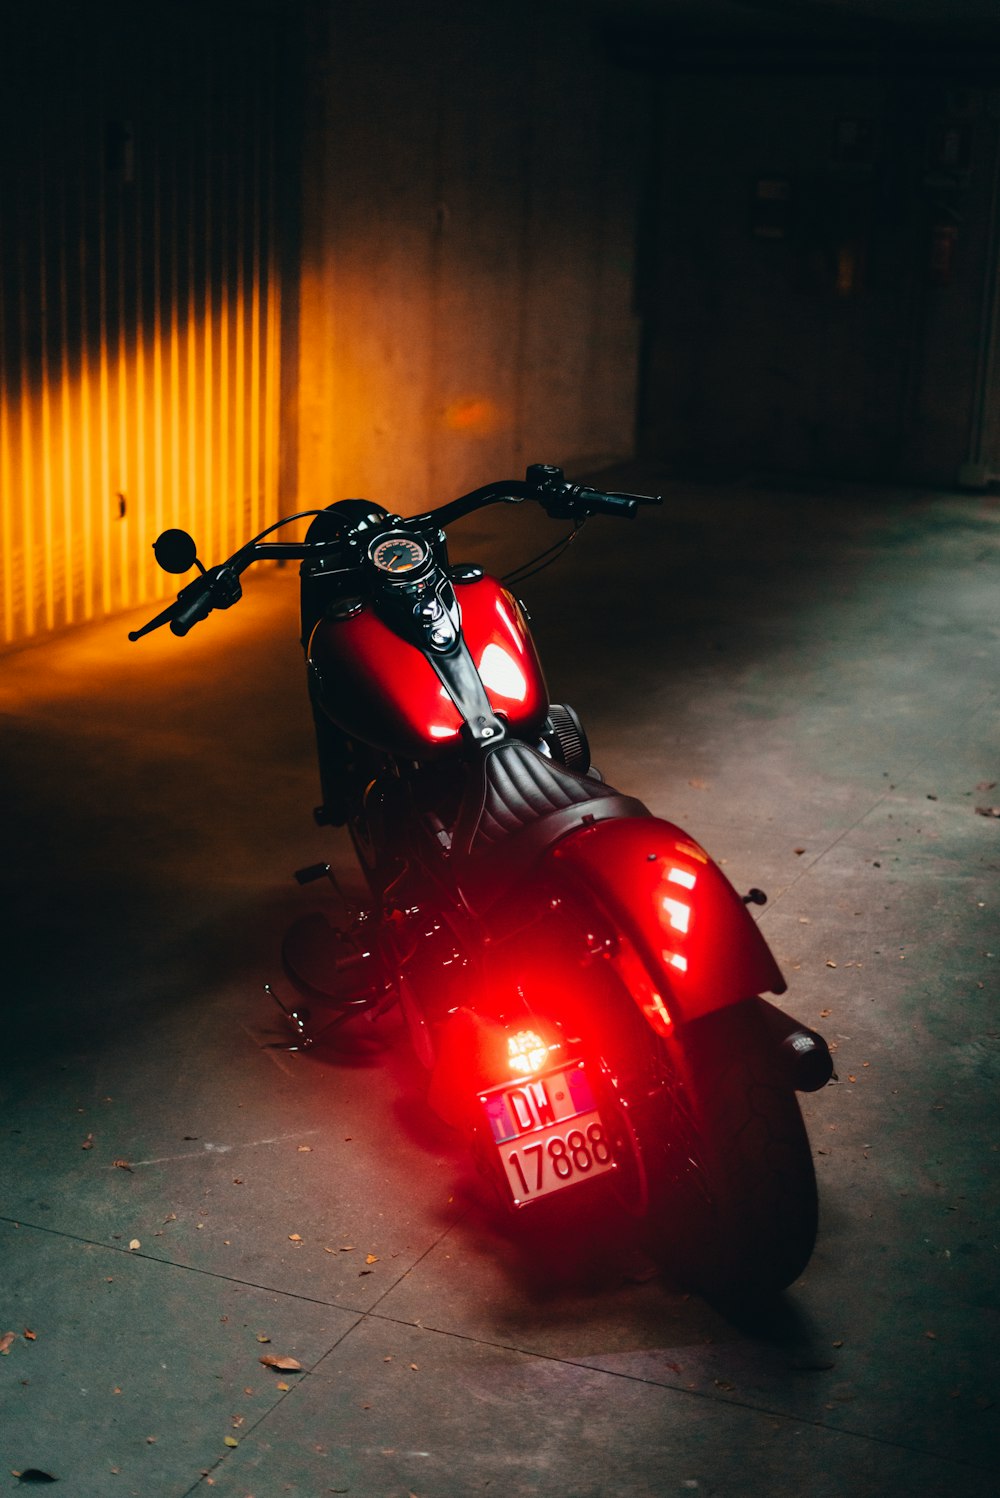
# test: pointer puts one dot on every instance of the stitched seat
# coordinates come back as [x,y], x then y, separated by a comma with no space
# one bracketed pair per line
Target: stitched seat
[519,805]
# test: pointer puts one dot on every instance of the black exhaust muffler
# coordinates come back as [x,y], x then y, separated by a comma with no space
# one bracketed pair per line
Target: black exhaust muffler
[803,1054]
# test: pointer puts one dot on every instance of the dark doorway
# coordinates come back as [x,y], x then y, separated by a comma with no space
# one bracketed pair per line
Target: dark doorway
[821,246]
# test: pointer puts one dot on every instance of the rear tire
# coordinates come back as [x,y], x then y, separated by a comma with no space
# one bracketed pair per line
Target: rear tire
[733,1207]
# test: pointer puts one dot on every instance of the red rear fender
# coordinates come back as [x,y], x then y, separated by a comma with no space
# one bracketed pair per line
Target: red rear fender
[689,945]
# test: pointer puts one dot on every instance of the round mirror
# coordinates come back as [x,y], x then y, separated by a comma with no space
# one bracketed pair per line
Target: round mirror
[175,551]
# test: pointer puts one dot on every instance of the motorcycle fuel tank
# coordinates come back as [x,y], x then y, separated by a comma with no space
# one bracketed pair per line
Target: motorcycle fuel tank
[380,688]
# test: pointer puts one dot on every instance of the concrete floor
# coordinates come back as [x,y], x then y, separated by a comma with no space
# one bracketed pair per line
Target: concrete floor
[805,678]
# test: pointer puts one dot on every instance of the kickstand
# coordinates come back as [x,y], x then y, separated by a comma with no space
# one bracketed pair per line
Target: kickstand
[300,1018]
[295,1018]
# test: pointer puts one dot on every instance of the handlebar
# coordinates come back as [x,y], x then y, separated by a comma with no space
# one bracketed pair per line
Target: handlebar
[219,587]
[547,485]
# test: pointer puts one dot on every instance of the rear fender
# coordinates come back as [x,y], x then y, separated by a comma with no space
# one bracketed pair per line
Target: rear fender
[686,944]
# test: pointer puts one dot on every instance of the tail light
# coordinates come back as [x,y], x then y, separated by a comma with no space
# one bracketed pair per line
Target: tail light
[476,1053]
[528,1053]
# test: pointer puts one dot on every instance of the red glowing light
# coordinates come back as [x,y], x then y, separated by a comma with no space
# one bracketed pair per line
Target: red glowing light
[526,1052]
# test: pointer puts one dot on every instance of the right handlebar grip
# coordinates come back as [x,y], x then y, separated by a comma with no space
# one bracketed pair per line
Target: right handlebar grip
[622,505]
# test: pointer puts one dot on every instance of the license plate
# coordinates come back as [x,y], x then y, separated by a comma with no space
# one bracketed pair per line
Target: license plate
[549,1133]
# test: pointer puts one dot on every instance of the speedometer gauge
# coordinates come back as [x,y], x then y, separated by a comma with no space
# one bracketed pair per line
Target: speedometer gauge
[397,554]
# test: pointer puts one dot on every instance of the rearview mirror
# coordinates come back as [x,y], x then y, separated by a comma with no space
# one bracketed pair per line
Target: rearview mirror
[175,551]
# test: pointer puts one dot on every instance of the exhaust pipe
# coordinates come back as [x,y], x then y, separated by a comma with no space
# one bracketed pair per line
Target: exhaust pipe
[803,1054]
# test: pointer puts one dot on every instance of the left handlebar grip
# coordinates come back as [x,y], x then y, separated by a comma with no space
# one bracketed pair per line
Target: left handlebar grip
[199,606]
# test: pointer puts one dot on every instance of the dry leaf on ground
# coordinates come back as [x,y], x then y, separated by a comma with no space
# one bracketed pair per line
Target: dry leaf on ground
[287,1365]
[5,1342]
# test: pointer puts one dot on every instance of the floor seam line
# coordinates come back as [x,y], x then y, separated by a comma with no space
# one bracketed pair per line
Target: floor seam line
[676,1389]
[215,1274]
[265,1415]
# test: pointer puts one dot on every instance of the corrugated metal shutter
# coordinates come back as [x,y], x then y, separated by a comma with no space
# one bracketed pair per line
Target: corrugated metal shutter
[140,301]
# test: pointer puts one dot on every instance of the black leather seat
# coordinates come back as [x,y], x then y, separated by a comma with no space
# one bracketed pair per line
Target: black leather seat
[517,806]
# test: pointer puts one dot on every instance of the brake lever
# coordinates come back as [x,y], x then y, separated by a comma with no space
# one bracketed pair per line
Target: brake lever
[218,587]
[157,623]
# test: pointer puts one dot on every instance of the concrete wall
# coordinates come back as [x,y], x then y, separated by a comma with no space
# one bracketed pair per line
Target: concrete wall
[472,174]
[821,335]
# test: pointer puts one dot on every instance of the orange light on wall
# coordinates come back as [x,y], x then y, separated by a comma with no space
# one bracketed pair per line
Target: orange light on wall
[99,458]
[475,415]
[139,313]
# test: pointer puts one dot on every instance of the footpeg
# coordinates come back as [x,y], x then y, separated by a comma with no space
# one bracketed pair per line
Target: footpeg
[328,816]
[754,896]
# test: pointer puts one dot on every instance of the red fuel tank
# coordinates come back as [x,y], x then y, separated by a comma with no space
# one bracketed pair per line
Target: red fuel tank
[379,688]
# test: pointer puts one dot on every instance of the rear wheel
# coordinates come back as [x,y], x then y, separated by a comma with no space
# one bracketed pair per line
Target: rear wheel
[733,1206]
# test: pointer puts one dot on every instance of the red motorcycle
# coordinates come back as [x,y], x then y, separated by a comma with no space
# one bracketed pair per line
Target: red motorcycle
[579,979]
